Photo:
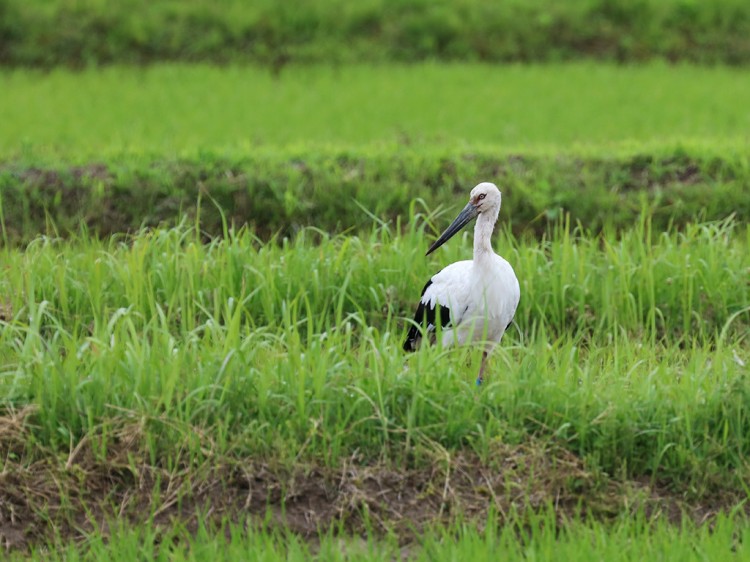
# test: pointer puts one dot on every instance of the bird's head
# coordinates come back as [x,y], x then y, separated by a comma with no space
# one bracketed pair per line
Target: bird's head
[485,198]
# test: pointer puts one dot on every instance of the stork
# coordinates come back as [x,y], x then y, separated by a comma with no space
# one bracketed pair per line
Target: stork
[472,300]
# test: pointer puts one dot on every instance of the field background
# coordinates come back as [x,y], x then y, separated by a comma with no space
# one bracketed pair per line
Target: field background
[213,218]
[177,108]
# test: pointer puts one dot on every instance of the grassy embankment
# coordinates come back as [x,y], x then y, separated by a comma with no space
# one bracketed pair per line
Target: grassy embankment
[47,33]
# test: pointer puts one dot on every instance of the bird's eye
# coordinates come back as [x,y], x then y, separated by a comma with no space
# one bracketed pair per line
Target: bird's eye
[482,196]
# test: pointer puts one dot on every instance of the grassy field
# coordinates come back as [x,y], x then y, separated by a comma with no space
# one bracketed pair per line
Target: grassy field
[172,382]
[190,367]
[171,109]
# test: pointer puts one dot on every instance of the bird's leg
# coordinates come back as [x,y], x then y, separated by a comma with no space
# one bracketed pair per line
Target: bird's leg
[480,378]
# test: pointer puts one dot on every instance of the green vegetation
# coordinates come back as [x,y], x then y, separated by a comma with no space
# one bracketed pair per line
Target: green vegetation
[123,148]
[207,274]
[264,339]
[541,540]
[84,32]
[280,191]
[172,109]
[163,355]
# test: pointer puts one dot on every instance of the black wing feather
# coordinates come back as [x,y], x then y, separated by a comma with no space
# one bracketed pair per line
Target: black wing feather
[428,314]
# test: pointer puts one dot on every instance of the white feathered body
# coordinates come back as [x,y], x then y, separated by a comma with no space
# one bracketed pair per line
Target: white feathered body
[482,296]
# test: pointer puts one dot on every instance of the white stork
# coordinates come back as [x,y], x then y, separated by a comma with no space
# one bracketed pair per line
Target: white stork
[478,297]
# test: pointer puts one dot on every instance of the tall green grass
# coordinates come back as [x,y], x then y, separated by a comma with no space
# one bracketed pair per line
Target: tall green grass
[173,108]
[630,352]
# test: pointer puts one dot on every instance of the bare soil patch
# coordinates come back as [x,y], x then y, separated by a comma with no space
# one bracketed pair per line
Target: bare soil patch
[6,311]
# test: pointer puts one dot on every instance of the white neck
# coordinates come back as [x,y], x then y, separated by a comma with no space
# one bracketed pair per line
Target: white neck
[483,234]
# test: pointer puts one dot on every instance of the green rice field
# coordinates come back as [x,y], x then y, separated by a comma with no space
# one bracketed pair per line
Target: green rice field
[177,108]
[212,386]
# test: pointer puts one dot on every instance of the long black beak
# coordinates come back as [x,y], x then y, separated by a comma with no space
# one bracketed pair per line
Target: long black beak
[464,217]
